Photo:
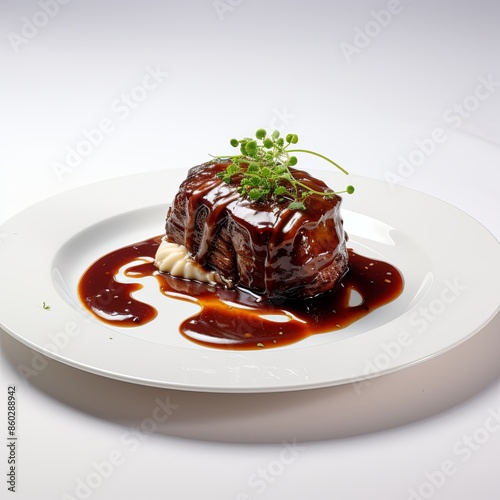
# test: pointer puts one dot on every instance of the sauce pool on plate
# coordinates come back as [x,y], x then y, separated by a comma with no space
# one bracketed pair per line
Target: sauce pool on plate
[232,317]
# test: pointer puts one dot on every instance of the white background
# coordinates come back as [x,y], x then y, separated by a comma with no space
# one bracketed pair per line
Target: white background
[370,83]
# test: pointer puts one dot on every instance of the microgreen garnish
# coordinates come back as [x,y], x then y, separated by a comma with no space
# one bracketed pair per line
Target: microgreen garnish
[46,306]
[263,168]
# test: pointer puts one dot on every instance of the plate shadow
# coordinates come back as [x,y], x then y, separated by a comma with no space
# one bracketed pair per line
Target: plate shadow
[404,397]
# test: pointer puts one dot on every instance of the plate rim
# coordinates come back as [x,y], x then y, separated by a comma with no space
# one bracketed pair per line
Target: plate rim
[297,382]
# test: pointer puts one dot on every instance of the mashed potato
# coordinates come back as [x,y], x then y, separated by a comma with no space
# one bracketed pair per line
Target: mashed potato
[173,259]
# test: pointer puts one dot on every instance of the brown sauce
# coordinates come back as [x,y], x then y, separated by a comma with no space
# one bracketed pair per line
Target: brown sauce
[233,318]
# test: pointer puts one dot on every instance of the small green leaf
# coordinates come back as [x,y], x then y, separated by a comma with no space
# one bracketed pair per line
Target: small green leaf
[296,205]
[256,194]
[251,148]
[266,172]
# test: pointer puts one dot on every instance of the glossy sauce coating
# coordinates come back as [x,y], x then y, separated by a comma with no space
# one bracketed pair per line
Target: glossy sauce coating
[232,317]
[281,251]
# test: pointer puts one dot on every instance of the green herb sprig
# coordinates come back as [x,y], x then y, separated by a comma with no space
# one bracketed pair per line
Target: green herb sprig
[263,169]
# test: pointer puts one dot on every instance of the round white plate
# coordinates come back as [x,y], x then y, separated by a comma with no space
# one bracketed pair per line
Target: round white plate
[448,260]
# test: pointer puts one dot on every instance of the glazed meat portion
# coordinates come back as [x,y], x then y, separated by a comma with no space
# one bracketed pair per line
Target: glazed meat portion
[265,247]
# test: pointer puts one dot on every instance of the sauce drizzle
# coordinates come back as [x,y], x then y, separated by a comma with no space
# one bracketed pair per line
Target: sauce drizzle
[232,317]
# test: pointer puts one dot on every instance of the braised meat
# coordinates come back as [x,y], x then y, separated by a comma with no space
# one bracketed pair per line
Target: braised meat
[265,247]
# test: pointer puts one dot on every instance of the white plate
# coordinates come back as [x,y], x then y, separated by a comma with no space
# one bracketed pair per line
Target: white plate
[448,260]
